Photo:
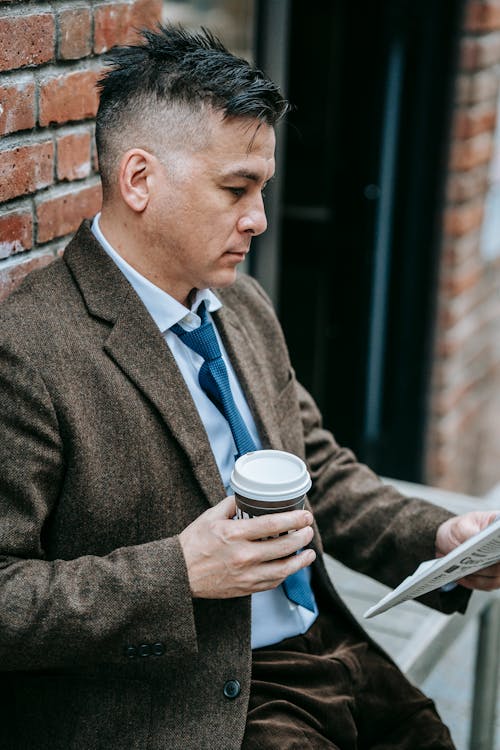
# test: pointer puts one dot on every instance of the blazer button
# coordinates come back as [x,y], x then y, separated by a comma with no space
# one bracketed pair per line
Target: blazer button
[158,649]
[144,649]
[130,652]
[232,689]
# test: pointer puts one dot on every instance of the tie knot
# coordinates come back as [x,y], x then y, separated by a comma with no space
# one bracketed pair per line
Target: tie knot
[201,340]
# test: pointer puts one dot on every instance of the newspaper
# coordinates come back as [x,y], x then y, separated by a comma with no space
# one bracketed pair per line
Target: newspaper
[478,552]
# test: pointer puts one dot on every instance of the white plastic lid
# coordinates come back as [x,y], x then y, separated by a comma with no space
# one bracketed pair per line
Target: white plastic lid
[270,475]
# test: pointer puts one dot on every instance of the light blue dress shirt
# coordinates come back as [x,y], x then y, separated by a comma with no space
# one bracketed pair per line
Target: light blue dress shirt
[274,616]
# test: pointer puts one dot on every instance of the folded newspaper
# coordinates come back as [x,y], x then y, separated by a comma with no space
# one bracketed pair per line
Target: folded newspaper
[478,552]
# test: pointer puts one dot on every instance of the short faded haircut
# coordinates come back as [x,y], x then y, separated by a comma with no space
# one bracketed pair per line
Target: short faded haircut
[158,93]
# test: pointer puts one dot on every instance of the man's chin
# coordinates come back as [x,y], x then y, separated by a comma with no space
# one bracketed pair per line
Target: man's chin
[224,278]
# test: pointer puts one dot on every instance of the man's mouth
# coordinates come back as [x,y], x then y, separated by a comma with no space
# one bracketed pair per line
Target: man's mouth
[238,254]
[242,251]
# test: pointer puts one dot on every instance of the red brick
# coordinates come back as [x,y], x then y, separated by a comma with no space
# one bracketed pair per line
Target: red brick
[470,121]
[472,152]
[70,96]
[25,169]
[480,51]
[480,86]
[463,186]
[75,33]
[145,14]
[26,40]
[11,276]
[461,219]
[457,283]
[459,250]
[62,214]
[468,54]
[17,105]
[482,15]
[451,398]
[16,232]
[111,25]
[73,156]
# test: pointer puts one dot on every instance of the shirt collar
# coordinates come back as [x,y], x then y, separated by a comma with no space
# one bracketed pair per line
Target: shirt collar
[163,308]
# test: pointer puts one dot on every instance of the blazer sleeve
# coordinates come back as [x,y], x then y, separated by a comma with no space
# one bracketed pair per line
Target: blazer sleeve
[89,610]
[367,525]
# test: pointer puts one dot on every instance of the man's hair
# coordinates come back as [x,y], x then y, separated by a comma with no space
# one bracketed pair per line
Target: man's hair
[159,92]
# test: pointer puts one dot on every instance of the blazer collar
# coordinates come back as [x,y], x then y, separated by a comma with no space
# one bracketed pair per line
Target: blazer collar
[101,283]
[139,350]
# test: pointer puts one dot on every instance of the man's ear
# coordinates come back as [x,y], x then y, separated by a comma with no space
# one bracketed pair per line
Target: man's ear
[136,169]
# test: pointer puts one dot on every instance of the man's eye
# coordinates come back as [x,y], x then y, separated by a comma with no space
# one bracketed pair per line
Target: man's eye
[237,191]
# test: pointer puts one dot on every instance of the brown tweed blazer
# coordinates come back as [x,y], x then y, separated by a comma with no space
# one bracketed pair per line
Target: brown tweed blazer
[103,462]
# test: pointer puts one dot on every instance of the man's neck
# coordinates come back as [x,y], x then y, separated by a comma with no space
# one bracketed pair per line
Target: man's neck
[129,241]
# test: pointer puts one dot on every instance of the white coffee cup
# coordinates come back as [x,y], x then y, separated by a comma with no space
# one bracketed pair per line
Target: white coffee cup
[269,481]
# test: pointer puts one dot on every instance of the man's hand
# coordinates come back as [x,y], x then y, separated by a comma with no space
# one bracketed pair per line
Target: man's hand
[456,530]
[225,558]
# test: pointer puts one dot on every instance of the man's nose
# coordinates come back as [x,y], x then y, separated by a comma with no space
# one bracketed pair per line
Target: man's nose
[254,220]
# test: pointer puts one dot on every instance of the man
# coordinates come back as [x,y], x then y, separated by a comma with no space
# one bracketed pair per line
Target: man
[135,612]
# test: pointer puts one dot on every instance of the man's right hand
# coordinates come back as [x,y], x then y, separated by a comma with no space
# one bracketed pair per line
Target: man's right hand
[226,558]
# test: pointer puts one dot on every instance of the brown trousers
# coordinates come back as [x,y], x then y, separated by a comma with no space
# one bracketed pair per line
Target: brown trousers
[328,689]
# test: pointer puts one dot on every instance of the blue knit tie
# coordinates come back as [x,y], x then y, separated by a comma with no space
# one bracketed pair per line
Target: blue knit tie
[213,378]
[214,381]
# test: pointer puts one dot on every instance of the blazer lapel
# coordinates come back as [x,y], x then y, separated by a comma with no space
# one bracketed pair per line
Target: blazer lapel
[245,361]
[139,350]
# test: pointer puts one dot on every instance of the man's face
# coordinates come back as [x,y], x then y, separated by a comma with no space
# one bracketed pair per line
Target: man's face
[207,208]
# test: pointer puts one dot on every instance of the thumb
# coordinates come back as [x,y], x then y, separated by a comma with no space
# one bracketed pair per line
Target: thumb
[225,509]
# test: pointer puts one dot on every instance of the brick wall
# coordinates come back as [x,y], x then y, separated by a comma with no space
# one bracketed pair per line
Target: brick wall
[463,446]
[50,58]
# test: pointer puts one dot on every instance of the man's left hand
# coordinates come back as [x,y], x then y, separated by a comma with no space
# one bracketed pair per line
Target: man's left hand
[457,530]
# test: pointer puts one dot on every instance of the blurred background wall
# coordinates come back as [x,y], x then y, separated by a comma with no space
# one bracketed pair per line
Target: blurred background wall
[383,252]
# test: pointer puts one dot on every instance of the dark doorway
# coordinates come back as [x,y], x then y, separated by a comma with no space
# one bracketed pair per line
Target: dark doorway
[365,158]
